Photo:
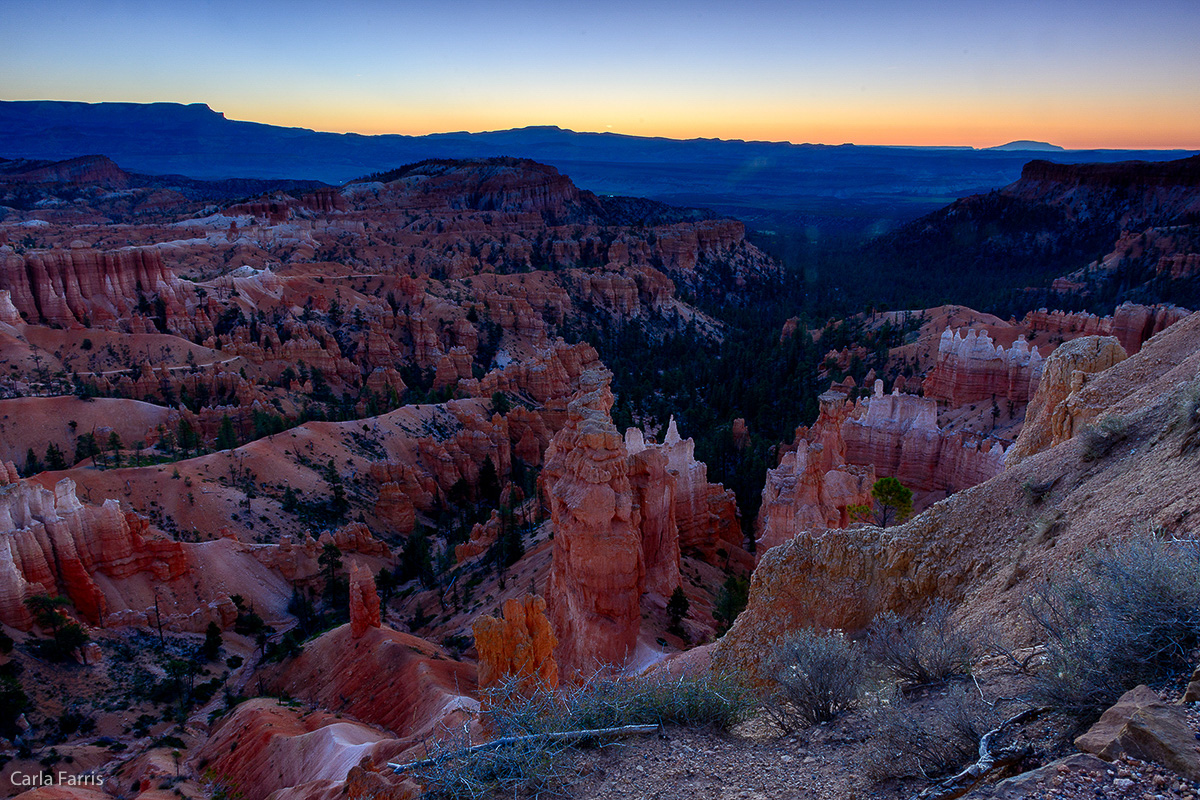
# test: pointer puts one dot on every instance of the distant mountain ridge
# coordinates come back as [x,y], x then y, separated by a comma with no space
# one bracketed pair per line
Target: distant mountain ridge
[1029,146]
[765,182]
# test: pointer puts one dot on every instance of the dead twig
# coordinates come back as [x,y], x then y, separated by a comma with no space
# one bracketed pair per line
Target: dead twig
[989,760]
[544,738]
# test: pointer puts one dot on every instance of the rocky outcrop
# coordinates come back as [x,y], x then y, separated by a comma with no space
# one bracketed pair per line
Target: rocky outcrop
[706,514]
[386,678]
[518,645]
[483,536]
[267,748]
[1130,323]
[597,573]
[364,601]
[814,486]
[972,368]
[898,435]
[81,286]
[1142,726]
[1057,411]
[654,498]
[395,508]
[984,548]
[51,543]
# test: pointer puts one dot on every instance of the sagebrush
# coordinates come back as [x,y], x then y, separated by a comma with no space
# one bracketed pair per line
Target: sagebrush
[930,737]
[542,767]
[1130,615]
[922,650]
[817,675]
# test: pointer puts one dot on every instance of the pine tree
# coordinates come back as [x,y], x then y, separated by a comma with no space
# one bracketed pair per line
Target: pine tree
[227,437]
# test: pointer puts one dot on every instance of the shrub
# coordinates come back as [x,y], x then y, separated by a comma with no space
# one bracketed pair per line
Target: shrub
[543,765]
[1099,439]
[609,702]
[1128,616]
[930,738]
[817,675]
[921,651]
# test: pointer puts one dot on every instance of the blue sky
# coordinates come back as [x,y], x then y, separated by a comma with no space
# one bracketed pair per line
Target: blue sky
[1081,74]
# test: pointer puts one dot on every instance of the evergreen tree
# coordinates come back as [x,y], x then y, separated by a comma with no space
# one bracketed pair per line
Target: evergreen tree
[212,642]
[893,501]
[32,465]
[54,457]
[227,437]
[115,445]
[677,609]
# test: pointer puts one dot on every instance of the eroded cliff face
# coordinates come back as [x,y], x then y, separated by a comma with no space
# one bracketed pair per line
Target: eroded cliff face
[517,645]
[973,367]
[706,513]
[814,486]
[842,578]
[1057,411]
[898,435]
[51,543]
[83,287]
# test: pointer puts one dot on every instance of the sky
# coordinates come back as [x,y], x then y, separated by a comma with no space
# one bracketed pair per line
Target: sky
[1077,73]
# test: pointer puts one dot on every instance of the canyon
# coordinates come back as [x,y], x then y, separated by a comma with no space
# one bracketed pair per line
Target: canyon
[318,472]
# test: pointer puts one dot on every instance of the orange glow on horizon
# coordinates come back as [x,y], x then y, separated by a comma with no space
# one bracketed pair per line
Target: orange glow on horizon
[1152,129]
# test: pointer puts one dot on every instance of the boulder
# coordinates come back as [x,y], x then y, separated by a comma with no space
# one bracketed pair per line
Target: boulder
[1142,726]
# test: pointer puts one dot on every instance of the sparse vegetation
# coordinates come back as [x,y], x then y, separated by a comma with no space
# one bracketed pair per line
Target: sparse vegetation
[1099,439]
[542,765]
[893,501]
[817,676]
[1128,616]
[928,738]
[920,651]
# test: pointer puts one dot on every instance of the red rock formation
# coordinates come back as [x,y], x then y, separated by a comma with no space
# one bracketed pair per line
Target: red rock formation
[973,368]
[395,508]
[264,748]
[483,536]
[69,287]
[50,543]
[705,513]
[654,497]
[364,601]
[1132,324]
[813,487]
[597,572]
[520,645]
[898,435]
[386,678]
[1056,412]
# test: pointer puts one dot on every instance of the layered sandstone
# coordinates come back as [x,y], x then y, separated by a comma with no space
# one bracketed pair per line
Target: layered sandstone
[898,435]
[973,367]
[81,286]
[364,601]
[1057,411]
[843,578]
[51,543]
[706,514]
[814,487]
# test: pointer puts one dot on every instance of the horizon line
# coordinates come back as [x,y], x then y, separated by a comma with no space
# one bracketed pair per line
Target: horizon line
[1046,147]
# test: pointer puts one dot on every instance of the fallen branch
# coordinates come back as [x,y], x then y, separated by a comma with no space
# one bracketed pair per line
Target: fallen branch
[564,736]
[989,760]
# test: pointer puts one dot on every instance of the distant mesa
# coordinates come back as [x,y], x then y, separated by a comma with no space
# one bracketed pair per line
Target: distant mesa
[1028,144]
